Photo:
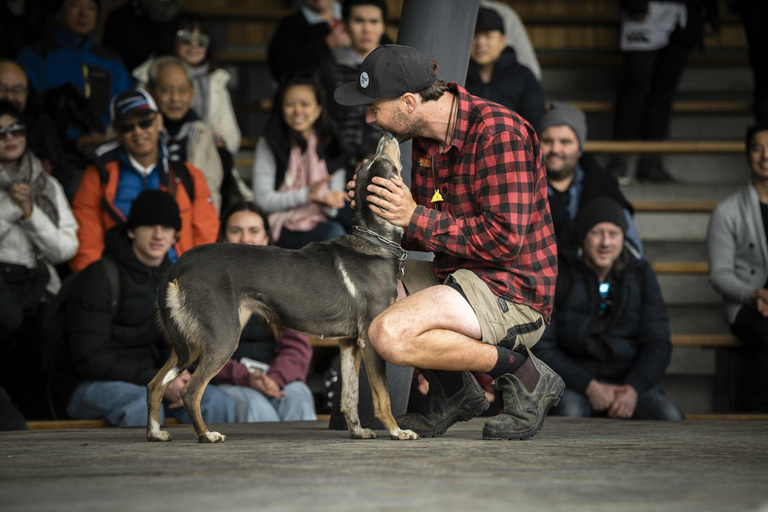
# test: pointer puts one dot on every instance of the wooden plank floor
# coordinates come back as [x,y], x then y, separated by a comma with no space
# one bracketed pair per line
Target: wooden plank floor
[572,465]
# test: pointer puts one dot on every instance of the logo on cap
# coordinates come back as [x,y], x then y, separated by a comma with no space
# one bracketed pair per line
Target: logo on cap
[364,80]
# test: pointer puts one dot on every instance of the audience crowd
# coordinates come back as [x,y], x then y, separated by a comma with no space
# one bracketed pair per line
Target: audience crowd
[117,158]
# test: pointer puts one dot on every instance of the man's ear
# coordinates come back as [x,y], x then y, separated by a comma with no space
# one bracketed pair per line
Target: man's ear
[131,234]
[410,102]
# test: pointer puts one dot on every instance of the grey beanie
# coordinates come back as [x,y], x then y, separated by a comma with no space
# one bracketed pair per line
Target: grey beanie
[566,114]
[601,209]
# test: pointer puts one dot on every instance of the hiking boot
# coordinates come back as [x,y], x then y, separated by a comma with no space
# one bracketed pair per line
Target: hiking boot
[650,168]
[528,395]
[452,397]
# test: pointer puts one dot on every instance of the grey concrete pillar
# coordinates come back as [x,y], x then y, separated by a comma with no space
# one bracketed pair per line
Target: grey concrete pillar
[442,30]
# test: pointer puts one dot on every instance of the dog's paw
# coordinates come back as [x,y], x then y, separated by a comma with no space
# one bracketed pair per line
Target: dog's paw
[212,437]
[363,433]
[403,435]
[160,436]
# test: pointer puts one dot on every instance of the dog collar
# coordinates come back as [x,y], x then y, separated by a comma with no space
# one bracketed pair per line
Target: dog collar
[389,245]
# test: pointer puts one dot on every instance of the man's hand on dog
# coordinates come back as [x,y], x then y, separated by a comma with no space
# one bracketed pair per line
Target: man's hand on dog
[392,200]
[173,393]
[264,384]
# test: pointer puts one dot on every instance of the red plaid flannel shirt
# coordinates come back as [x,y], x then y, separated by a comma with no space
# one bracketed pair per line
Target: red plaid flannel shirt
[495,218]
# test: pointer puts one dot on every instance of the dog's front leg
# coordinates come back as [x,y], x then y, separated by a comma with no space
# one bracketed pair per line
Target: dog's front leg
[382,407]
[350,368]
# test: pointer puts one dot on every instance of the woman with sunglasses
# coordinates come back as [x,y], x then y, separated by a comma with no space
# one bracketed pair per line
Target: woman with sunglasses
[276,389]
[212,101]
[298,170]
[37,230]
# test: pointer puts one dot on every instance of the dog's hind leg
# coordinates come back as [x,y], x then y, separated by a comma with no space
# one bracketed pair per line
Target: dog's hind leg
[350,368]
[155,392]
[212,360]
[382,408]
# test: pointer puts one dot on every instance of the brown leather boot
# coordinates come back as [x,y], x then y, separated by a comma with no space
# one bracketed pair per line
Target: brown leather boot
[452,397]
[528,395]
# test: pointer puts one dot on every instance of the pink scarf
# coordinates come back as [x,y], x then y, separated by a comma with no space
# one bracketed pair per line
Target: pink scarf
[303,170]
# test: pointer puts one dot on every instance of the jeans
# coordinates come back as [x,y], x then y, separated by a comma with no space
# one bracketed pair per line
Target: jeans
[298,239]
[124,404]
[751,377]
[252,406]
[652,404]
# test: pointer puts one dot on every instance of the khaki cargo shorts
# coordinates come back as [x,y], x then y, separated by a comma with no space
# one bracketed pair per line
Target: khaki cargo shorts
[502,322]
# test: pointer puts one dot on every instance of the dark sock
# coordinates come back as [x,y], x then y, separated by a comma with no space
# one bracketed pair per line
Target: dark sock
[451,382]
[508,362]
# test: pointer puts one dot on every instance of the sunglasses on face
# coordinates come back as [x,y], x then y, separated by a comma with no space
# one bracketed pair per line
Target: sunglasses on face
[14,130]
[129,127]
[186,37]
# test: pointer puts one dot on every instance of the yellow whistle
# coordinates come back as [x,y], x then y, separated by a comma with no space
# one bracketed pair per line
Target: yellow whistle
[437,197]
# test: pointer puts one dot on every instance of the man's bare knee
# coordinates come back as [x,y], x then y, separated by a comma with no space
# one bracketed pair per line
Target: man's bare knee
[388,339]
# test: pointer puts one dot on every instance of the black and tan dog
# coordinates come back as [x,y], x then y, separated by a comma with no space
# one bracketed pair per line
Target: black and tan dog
[331,289]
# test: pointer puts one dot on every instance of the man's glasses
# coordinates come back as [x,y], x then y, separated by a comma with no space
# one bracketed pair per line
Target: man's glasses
[16,90]
[129,127]
[187,37]
[14,130]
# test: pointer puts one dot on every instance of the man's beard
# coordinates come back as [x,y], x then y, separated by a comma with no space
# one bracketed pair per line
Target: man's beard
[560,174]
[406,128]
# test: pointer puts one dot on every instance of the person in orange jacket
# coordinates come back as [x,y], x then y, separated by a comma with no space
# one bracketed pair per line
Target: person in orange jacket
[138,160]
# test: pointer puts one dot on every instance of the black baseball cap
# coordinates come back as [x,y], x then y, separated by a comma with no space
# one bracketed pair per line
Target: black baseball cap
[129,103]
[389,71]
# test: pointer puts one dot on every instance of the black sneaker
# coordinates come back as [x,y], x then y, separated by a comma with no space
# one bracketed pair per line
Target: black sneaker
[452,397]
[650,168]
[524,410]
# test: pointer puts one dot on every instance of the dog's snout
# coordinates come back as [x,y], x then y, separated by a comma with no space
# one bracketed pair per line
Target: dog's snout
[389,146]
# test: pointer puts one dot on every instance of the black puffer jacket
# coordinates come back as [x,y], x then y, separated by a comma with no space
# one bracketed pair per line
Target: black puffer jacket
[130,346]
[512,85]
[631,344]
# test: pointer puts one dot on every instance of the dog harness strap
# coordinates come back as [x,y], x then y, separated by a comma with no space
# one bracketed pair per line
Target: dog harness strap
[389,245]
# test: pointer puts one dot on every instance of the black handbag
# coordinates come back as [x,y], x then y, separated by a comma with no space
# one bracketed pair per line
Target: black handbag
[26,284]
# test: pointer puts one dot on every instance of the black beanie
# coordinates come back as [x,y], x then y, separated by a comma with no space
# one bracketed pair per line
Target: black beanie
[488,20]
[600,210]
[153,207]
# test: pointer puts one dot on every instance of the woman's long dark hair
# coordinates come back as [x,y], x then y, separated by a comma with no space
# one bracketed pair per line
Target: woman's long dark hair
[280,138]
[243,206]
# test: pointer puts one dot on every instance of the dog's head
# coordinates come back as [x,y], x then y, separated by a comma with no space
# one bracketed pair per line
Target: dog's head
[384,164]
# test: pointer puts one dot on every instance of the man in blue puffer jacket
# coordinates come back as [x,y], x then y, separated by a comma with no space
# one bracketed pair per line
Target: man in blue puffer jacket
[609,337]
[71,57]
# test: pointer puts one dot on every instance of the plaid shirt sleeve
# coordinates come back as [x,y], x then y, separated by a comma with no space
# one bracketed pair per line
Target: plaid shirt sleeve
[504,186]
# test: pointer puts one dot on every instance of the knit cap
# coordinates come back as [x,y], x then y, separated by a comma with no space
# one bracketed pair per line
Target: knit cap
[566,114]
[152,208]
[600,210]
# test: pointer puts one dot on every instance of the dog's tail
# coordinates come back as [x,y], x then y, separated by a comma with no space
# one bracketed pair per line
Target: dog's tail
[176,321]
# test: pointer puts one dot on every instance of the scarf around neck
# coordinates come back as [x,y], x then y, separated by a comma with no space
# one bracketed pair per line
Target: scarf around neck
[42,190]
[201,79]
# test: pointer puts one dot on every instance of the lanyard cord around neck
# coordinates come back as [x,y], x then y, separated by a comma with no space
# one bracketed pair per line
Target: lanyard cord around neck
[436,198]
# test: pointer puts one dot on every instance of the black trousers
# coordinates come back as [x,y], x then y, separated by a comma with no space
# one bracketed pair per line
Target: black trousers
[754,15]
[752,388]
[647,88]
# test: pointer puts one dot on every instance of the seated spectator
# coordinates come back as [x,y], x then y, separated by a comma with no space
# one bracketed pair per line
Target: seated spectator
[141,29]
[42,135]
[517,36]
[185,135]
[37,229]
[573,178]
[11,317]
[116,350]
[138,160]
[609,337]
[279,393]
[193,44]
[495,74]
[738,268]
[306,37]
[365,20]
[295,161]
[77,76]
[21,22]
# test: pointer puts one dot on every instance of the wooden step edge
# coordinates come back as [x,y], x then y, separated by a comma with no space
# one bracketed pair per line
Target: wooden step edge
[688,206]
[706,341]
[681,267]
[680,107]
[79,424]
[665,146]
[325,342]
[727,416]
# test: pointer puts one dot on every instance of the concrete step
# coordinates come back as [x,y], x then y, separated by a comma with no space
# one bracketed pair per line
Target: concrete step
[682,126]
[675,251]
[680,192]
[706,319]
[694,394]
[697,169]
[671,227]
[688,290]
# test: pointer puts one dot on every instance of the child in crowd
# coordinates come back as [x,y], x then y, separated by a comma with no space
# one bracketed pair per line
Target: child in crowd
[37,229]
[279,392]
[298,173]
